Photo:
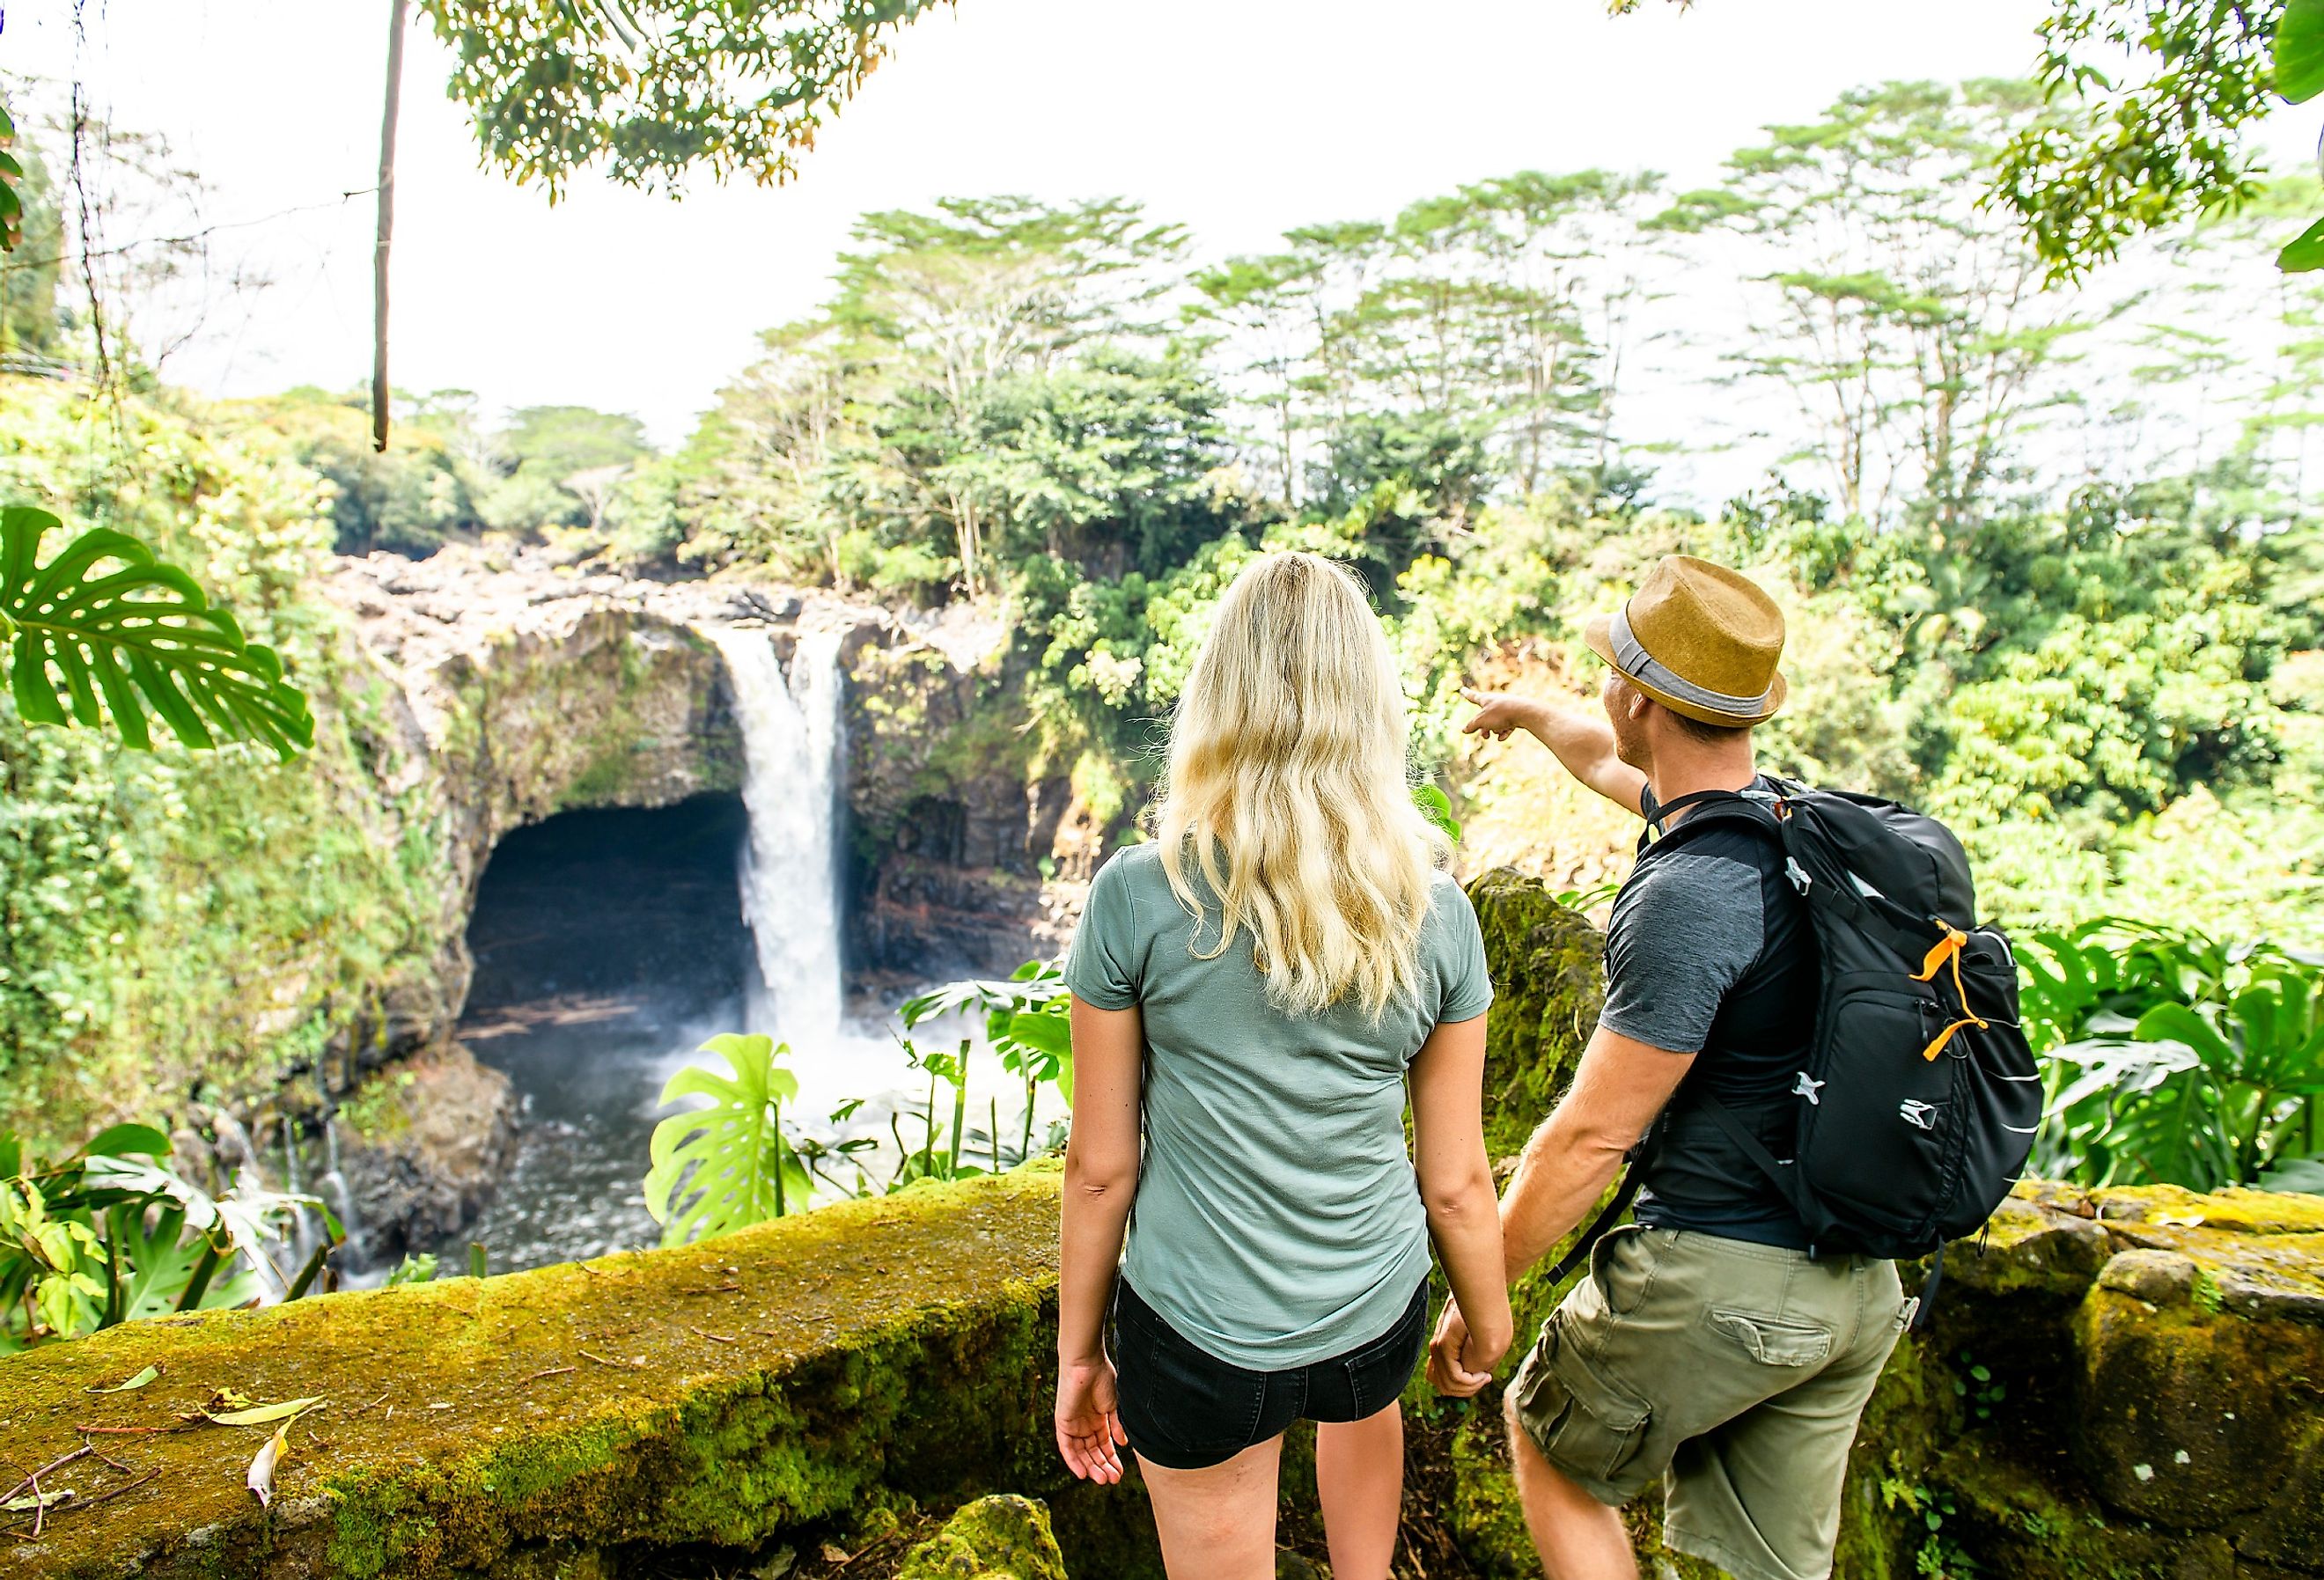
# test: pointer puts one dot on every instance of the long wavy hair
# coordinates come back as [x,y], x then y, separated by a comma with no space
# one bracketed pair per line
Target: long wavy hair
[1287,789]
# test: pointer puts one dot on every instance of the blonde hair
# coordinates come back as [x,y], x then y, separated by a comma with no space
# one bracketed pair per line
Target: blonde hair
[1287,788]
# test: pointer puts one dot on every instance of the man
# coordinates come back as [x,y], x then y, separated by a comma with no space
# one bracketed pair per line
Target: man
[1706,1345]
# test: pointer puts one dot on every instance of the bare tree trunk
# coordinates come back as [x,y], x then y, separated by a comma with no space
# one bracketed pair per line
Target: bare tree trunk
[399,11]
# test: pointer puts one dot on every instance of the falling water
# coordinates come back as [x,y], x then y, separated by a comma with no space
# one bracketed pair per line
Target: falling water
[790,869]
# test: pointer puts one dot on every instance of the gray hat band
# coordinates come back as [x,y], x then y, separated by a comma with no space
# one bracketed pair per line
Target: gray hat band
[1639,665]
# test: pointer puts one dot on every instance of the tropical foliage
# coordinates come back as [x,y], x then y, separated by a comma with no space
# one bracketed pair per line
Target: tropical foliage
[111,1233]
[2177,1058]
[104,628]
[2162,93]
[733,1163]
[728,1165]
[1025,1025]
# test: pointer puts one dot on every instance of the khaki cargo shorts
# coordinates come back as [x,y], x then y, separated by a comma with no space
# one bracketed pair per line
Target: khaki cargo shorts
[1736,1371]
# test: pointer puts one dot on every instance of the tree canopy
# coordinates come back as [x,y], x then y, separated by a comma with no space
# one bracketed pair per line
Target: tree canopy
[648,90]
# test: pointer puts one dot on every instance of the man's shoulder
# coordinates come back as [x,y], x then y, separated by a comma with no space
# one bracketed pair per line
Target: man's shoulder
[1711,872]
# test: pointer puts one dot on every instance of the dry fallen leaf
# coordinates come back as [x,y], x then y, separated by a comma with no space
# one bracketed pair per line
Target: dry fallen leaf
[258,1415]
[44,1500]
[261,1468]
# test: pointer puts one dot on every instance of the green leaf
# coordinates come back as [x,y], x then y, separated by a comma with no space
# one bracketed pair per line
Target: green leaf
[2303,1175]
[12,215]
[2304,251]
[1437,808]
[716,1169]
[1045,1031]
[106,627]
[139,1381]
[2299,50]
[128,1140]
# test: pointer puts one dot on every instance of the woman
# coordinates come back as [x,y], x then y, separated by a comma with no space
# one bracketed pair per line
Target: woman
[1270,971]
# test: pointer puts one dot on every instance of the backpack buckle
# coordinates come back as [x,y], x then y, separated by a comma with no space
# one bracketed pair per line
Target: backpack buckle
[1797,874]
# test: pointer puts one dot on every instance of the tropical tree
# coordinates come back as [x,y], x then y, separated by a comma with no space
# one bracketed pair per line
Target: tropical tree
[2155,100]
[649,90]
[2163,92]
[950,304]
[1906,320]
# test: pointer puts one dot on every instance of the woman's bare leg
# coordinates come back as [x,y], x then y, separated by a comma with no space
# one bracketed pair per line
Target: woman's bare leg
[1218,1524]
[1359,1478]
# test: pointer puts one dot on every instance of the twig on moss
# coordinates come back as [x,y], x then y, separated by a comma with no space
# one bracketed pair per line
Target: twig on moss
[551,1371]
[617,1365]
[33,1479]
[87,1430]
[92,1502]
[716,1338]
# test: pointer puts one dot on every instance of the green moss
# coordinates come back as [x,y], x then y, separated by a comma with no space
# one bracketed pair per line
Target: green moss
[1548,981]
[1000,1537]
[870,1348]
[2233,1212]
[380,1108]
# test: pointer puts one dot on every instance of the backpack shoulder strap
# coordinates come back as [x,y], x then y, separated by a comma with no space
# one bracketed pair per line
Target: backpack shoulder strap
[1786,1180]
[1710,807]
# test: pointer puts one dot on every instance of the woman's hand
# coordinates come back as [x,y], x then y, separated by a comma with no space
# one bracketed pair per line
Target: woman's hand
[1461,1362]
[1089,1421]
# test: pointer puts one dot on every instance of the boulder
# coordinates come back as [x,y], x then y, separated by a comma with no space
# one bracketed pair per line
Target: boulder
[421,1147]
[1000,1538]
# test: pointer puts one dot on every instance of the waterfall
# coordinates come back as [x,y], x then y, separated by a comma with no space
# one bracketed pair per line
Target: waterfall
[791,868]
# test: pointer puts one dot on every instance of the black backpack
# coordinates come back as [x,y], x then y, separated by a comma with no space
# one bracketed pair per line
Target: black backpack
[1920,1099]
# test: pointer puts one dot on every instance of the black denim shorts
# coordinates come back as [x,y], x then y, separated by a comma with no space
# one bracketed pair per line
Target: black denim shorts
[1185,1409]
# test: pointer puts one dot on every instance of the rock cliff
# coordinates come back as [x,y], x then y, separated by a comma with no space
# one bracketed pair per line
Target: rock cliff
[502,690]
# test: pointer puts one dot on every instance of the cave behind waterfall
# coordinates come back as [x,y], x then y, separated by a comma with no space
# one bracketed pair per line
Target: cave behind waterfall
[607,943]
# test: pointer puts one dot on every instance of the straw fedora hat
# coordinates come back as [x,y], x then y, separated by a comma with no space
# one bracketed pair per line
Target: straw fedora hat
[1700,638]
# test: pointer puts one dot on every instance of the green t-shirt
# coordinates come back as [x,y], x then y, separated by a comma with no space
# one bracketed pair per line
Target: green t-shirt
[1278,1221]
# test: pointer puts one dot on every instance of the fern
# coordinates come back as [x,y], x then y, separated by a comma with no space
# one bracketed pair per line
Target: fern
[106,627]
[727,1166]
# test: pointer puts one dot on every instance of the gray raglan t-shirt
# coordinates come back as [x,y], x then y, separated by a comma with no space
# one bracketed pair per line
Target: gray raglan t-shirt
[1278,1220]
[1710,952]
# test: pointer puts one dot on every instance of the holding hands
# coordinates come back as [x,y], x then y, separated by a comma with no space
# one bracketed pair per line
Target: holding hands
[1460,1363]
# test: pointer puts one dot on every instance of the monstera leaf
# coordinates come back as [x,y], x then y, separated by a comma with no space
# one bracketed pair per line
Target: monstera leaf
[727,1166]
[106,627]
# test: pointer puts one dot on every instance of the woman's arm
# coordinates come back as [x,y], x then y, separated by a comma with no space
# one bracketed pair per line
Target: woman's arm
[1456,1183]
[1618,1089]
[1101,1179]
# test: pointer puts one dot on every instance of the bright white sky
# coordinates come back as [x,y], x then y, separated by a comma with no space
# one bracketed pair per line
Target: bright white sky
[1238,117]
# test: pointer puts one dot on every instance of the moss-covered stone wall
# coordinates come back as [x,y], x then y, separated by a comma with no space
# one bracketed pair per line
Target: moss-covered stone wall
[785,1382]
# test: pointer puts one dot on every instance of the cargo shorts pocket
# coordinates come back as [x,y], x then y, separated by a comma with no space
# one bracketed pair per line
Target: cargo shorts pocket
[1773,1341]
[1584,1425]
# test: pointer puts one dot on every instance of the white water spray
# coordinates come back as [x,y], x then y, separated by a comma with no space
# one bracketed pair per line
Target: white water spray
[790,870]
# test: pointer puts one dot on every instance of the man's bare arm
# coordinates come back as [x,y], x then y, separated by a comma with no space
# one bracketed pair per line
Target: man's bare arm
[1582,740]
[1620,1088]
